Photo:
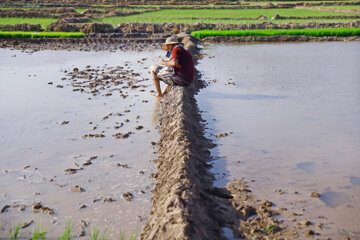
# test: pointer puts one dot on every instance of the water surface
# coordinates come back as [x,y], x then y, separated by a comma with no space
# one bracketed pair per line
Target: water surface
[294,113]
[35,148]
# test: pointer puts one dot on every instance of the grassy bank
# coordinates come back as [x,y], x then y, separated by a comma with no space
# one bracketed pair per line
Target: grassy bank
[41,35]
[342,32]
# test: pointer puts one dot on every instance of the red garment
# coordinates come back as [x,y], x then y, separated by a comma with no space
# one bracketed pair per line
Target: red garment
[185,66]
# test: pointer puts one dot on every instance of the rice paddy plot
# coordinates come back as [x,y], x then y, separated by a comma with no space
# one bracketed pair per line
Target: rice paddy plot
[44,22]
[42,35]
[343,32]
[205,16]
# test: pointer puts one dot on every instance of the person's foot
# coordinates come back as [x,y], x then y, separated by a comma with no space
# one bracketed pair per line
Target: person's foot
[157,95]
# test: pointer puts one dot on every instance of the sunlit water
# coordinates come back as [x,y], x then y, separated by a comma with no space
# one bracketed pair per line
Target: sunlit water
[31,134]
[294,112]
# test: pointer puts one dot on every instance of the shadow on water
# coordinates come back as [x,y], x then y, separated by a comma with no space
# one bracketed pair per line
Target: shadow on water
[219,162]
[333,199]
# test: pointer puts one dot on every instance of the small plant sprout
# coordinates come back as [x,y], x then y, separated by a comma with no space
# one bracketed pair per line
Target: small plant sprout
[13,232]
[132,237]
[39,233]
[95,234]
[66,235]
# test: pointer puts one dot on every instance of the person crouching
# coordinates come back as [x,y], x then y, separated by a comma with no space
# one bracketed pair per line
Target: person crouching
[177,70]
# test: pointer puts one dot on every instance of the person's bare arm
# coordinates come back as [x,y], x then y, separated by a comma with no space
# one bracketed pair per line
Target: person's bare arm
[170,63]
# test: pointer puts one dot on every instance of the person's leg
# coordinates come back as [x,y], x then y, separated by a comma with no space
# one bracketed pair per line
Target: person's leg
[166,89]
[156,80]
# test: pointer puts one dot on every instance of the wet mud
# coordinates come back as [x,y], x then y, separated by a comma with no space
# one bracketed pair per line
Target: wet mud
[186,205]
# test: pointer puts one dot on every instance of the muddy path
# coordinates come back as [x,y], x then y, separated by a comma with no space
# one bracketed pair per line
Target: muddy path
[186,205]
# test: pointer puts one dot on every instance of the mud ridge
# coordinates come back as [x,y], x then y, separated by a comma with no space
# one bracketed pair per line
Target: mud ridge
[185,203]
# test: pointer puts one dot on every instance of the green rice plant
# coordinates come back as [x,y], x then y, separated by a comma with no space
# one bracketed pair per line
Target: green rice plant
[67,233]
[342,32]
[95,235]
[44,22]
[13,232]
[132,237]
[215,15]
[42,35]
[39,233]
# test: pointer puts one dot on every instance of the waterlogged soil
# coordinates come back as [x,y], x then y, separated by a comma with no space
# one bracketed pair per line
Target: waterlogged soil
[285,117]
[77,138]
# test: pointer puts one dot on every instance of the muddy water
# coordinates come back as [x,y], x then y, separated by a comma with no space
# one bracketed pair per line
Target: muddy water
[294,113]
[37,146]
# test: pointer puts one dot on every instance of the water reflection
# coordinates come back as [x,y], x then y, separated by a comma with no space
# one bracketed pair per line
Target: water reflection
[156,112]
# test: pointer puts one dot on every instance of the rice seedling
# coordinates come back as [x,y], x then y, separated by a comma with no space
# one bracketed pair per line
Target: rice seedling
[13,232]
[343,32]
[42,35]
[67,233]
[132,237]
[39,233]
[95,234]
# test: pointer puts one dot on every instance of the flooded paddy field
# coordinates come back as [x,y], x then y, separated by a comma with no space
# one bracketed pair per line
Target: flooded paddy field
[77,137]
[286,117]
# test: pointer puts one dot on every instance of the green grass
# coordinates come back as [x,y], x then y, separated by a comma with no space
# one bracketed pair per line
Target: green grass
[186,6]
[343,32]
[204,16]
[44,22]
[80,10]
[42,35]
[350,7]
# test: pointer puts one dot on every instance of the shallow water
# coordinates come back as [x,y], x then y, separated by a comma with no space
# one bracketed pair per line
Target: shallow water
[35,148]
[294,113]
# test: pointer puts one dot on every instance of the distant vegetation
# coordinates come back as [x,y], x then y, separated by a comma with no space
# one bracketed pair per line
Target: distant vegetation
[320,32]
[44,22]
[42,35]
[215,15]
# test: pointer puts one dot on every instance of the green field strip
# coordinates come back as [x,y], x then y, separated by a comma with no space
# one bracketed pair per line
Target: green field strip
[342,32]
[42,35]
[44,22]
